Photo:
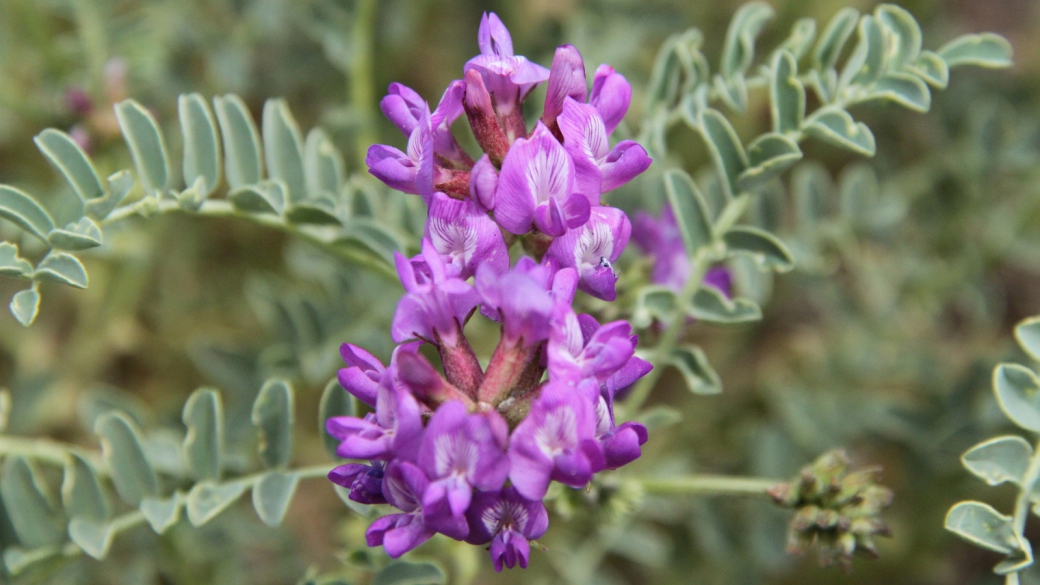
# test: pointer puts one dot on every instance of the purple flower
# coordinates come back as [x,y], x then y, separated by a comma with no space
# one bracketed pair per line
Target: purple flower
[436,302]
[593,249]
[465,236]
[536,186]
[404,107]
[519,299]
[410,172]
[601,354]
[365,482]
[403,486]
[508,77]
[557,441]
[392,431]
[361,377]
[483,183]
[460,452]
[566,79]
[597,168]
[611,95]
[661,239]
[620,445]
[617,385]
[508,522]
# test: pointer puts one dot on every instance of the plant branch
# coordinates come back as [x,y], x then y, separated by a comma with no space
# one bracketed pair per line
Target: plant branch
[709,485]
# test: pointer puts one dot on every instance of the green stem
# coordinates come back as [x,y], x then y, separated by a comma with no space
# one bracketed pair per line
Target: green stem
[362,86]
[710,485]
[1022,503]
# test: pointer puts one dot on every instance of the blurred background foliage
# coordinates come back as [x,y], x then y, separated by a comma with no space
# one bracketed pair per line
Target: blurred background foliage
[881,341]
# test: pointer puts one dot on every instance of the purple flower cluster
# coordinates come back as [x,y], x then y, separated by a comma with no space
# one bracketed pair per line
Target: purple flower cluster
[465,450]
[660,239]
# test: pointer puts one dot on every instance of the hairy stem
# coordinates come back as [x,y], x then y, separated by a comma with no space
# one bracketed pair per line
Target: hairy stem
[710,485]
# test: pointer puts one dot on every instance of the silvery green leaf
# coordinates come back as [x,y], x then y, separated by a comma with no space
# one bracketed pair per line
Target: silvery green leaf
[207,499]
[1028,335]
[812,188]
[867,62]
[21,209]
[654,302]
[786,94]
[1018,393]
[94,537]
[70,160]
[665,78]
[272,495]
[274,419]
[710,305]
[405,573]
[825,83]
[263,197]
[335,401]
[161,513]
[11,264]
[371,237]
[739,48]
[690,210]
[283,148]
[1018,560]
[1000,459]
[81,491]
[203,415]
[79,235]
[243,155]
[27,503]
[201,143]
[836,126]
[659,417]
[63,268]
[323,164]
[145,141]
[700,377]
[319,210]
[733,92]
[904,43]
[803,33]
[858,192]
[931,68]
[768,156]
[192,198]
[765,248]
[904,89]
[25,305]
[17,559]
[832,41]
[727,153]
[132,475]
[981,525]
[983,50]
[119,186]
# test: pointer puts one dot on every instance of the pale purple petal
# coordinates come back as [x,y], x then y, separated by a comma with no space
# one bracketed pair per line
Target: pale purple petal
[566,79]
[624,163]
[720,278]
[365,482]
[483,182]
[362,376]
[493,37]
[585,139]
[611,95]
[622,445]
[535,170]
[403,106]
[593,249]
[392,167]
[465,236]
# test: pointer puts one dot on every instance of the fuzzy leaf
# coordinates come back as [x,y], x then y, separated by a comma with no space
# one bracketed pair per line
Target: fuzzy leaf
[243,155]
[283,148]
[371,237]
[654,303]
[335,401]
[145,141]
[272,495]
[1000,459]
[803,33]
[319,210]
[726,150]
[27,503]
[904,89]
[201,143]
[904,34]
[710,305]
[983,50]
[161,513]
[323,164]
[17,559]
[786,94]
[665,77]
[768,156]
[690,209]
[25,305]
[95,538]
[132,475]
[867,62]
[263,197]
[1028,335]
[700,377]
[119,186]
[69,159]
[739,48]
[63,268]
[733,92]
[203,414]
[206,500]
[832,41]
[1018,393]
[81,491]
[981,525]
[836,126]
[274,419]
[765,248]
[80,235]
[932,69]
[405,573]
[21,209]
[11,264]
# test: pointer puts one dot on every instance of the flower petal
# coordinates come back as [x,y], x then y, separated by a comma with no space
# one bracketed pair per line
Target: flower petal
[611,95]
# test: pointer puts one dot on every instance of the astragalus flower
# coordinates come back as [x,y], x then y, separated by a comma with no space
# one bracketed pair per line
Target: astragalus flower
[470,453]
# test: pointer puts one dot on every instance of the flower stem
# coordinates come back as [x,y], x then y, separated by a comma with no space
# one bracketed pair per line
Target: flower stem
[709,485]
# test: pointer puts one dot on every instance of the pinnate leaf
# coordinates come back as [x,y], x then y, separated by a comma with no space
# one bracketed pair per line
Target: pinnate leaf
[1018,393]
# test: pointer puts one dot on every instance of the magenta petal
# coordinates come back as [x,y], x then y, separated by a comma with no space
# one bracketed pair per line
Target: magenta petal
[408,533]
[611,95]
[624,163]
[549,218]
[576,209]
[493,37]
[530,473]
[535,170]
[359,384]
[720,278]
[566,79]
[600,283]
[483,182]
[572,468]
[585,138]
[465,236]
[402,106]
[623,446]
[392,167]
